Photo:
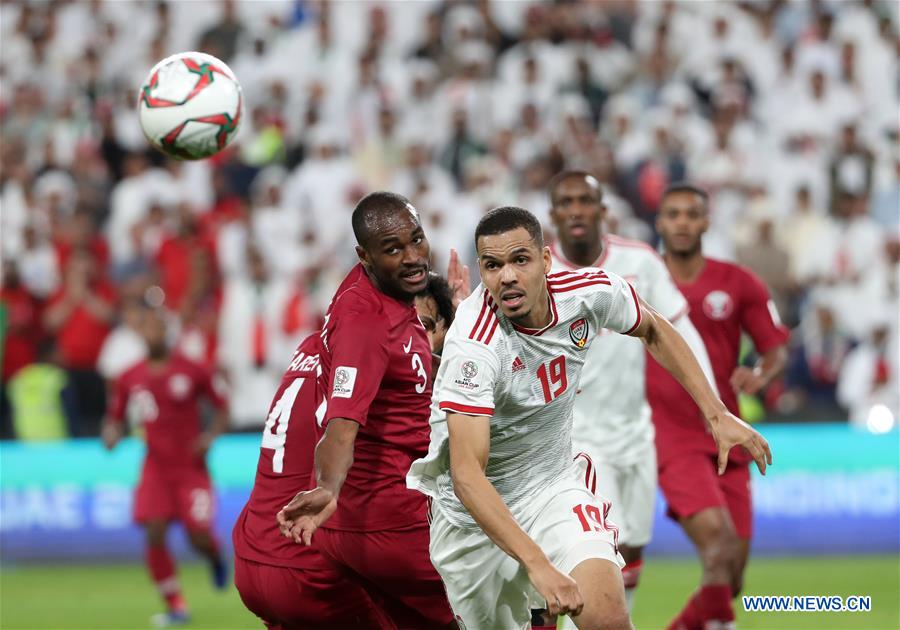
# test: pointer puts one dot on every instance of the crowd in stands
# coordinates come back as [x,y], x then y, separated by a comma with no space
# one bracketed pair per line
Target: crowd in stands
[786,112]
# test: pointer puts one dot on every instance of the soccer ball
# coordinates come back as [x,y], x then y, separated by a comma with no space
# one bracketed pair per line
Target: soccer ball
[190,106]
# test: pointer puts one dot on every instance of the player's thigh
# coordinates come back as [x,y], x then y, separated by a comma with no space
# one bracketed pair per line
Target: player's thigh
[195,501]
[487,589]
[396,565]
[574,526]
[736,488]
[638,502]
[600,583]
[314,597]
[689,484]
[154,499]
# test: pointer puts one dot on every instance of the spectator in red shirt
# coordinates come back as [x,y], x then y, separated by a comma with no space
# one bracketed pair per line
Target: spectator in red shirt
[80,316]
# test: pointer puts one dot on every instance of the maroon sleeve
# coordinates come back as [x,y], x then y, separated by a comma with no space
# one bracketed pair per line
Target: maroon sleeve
[759,317]
[212,385]
[359,359]
[119,399]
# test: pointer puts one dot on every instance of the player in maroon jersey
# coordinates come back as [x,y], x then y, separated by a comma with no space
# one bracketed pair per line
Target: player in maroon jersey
[374,368]
[162,393]
[714,510]
[285,584]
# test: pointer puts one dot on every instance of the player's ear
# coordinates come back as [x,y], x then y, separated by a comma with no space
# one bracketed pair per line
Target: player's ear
[548,262]
[363,256]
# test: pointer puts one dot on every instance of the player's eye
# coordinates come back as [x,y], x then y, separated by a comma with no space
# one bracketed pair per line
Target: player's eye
[522,260]
[390,251]
[417,240]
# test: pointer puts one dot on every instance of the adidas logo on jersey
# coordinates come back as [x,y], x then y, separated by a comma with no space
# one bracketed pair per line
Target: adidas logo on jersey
[518,365]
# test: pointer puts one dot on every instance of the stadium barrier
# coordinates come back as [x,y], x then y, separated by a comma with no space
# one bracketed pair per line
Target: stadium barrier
[832,490]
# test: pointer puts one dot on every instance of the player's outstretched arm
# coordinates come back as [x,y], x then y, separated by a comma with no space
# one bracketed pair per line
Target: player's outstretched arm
[671,351]
[309,509]
[470,441]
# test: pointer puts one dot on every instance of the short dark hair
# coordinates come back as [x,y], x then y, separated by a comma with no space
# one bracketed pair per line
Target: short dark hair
[507,218]
[439,290]
[372,207]
[686,187]
[562,176]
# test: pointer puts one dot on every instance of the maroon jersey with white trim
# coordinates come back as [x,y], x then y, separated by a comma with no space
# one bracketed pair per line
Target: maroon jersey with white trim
[165,403]
[724,300]
[525,380]
[376,370]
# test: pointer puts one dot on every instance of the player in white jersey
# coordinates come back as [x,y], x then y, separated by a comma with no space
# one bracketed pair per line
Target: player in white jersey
[612,418]
[513,516]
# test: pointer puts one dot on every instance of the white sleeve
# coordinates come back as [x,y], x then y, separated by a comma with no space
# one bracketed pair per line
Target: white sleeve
[469,371]
[695,342]
[618,307]
[663,295]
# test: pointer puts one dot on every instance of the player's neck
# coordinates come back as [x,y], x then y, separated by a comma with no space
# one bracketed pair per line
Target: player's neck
[685,268]
[158,363]
[582,254]
[539,316]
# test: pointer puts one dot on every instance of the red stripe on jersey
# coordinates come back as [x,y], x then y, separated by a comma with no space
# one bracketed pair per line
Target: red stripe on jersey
[637,305]
[490,319]
[571,276]
[571,287]
[469,410]
[484,306]
[491,333]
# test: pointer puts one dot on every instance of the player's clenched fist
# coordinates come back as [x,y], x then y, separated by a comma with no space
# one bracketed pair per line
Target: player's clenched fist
[561,592]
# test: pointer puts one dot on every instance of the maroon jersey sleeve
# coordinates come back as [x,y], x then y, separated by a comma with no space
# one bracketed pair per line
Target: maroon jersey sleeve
[759,316]
[359,359]
[212,385]
[119,399]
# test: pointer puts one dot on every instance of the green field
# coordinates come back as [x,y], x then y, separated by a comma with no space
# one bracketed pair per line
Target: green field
[120,596]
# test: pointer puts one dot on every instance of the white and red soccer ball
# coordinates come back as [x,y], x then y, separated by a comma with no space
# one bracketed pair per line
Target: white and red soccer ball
[190,106]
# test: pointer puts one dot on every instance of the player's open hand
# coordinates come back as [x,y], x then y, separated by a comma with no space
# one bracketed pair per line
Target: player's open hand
[745,380]
[458,278]
[561,592]
[729,431]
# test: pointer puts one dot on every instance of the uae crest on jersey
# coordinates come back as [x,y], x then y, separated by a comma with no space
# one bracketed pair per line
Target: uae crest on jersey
[578,333]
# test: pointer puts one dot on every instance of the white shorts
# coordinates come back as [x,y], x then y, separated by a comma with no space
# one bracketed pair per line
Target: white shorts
[631,490]
[487,588]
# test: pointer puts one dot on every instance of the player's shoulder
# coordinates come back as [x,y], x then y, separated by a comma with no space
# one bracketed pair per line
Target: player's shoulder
[357,298]
[477,319]
[585,281]
[631,246]
[732,272]
[133,373]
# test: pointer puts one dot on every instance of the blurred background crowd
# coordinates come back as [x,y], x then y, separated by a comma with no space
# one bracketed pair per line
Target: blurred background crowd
[787,112]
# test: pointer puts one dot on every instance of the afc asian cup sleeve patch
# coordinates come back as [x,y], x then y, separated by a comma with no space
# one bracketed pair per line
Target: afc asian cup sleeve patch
[344,382]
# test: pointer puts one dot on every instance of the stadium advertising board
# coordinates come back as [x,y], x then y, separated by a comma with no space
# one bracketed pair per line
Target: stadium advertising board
[832,490]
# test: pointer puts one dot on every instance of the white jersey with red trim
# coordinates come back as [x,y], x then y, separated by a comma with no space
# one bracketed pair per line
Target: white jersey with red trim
[525,380]
[612,417]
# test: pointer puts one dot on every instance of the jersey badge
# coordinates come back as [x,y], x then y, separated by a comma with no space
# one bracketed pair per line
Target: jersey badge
[179,386]
[578,333]
[518,365]
[344,381]
[718,305]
